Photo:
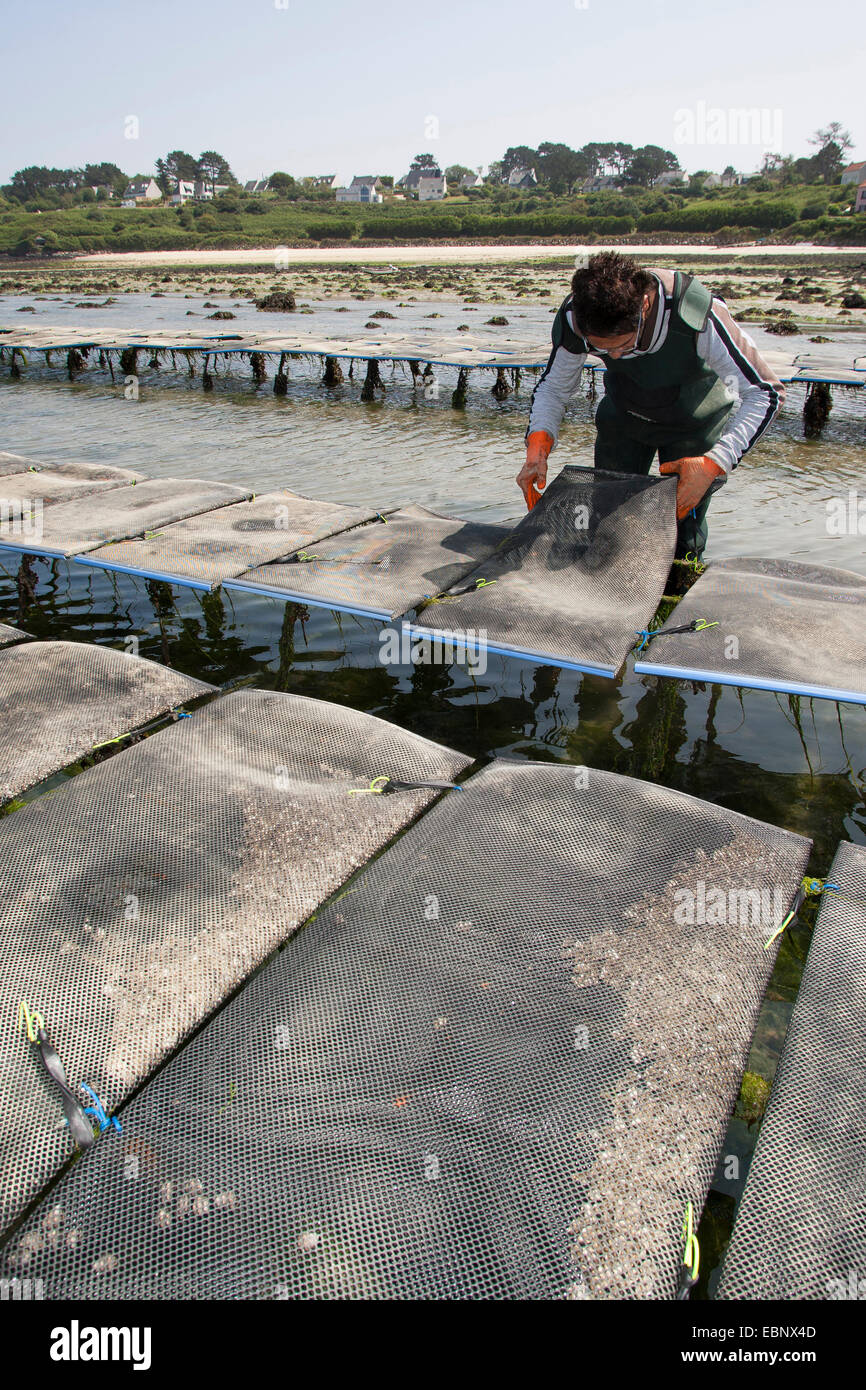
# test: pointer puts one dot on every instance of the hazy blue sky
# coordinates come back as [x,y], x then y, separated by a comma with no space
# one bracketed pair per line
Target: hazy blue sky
[349,87]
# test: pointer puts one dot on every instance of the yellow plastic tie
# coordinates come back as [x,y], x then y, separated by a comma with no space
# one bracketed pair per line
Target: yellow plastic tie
[107,742]
[809,888]
[692,1251]
[33,1021]
[778,932]
[373,790]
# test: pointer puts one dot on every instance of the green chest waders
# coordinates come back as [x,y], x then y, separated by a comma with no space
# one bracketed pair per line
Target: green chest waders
[668,402]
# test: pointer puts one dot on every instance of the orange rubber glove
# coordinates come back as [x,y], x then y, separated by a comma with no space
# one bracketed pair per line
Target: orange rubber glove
[532,478]
[694,476]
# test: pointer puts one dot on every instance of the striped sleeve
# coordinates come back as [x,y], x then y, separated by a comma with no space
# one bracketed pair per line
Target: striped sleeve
[555,387]
[732,355]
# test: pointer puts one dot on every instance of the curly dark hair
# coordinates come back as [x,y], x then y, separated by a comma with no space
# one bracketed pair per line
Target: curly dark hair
[607,294]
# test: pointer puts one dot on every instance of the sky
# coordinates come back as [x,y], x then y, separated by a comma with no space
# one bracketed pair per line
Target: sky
[350,87]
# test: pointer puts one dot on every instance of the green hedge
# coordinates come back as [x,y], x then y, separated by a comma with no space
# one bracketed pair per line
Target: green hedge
[703,217]
[446,226]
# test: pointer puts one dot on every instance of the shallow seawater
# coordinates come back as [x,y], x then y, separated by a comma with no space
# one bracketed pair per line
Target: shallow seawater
[800,764]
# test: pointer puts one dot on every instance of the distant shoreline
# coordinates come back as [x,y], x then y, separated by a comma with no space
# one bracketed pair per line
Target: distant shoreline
[461,253]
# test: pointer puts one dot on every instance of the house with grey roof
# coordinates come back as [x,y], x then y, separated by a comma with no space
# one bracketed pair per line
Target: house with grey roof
[364,188]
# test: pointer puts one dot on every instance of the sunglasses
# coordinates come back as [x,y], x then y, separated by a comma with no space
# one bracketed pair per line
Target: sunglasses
[625,348]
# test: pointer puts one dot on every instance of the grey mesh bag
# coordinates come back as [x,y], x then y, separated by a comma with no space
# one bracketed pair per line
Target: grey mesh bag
[582,572]
[204,550]
[134,899]
[498,1066]
[70,528]
[58,700]
[63,482]
[800,1230]
[16,463]
[776,625]
[11,634]
[382,569]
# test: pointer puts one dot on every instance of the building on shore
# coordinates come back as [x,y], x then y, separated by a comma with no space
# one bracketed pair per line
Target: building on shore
[205,192]
[364,188]
[140,191]
[522,178]
[431,188]
[854,173]
[184,192]
[671,178]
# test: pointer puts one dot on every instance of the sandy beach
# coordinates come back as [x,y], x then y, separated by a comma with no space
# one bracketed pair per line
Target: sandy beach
[429,255]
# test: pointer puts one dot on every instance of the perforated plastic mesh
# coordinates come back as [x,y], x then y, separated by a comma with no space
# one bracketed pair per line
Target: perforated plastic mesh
[135,898]
[228,541]
[382,569]
[62,482]
[800,1230]
[498,1067]
[70,528]
[16,463]
[59,699]
[581,573]
[11,634]
[781,626]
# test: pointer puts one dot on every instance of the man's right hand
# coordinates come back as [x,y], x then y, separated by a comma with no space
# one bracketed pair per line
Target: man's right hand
[532,478]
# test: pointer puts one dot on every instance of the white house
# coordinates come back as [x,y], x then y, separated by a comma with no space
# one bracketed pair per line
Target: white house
[522,178]
[411,180]
[140,191]
[257,186]
[325,180]
[860,203]
[204,192]
[599,183]
[854,173]
[471,181]
[714,181]
[431,188]
[364,188]
[183,193]
[671,178]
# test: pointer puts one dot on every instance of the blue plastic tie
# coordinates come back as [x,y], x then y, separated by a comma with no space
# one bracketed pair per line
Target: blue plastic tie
[97,1110]
[646,636]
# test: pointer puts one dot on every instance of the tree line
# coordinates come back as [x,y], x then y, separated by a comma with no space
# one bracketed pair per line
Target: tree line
[558,169]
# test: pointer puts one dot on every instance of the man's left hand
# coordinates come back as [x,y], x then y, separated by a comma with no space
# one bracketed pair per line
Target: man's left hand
[694,476]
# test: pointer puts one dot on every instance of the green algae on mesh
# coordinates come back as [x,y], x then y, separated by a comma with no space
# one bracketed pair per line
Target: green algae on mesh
[753,1097]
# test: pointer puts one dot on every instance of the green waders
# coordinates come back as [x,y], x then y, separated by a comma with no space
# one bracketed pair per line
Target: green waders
[621,448]
[667,402]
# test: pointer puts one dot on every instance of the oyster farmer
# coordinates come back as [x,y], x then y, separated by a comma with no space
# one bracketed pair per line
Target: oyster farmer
[682,380]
